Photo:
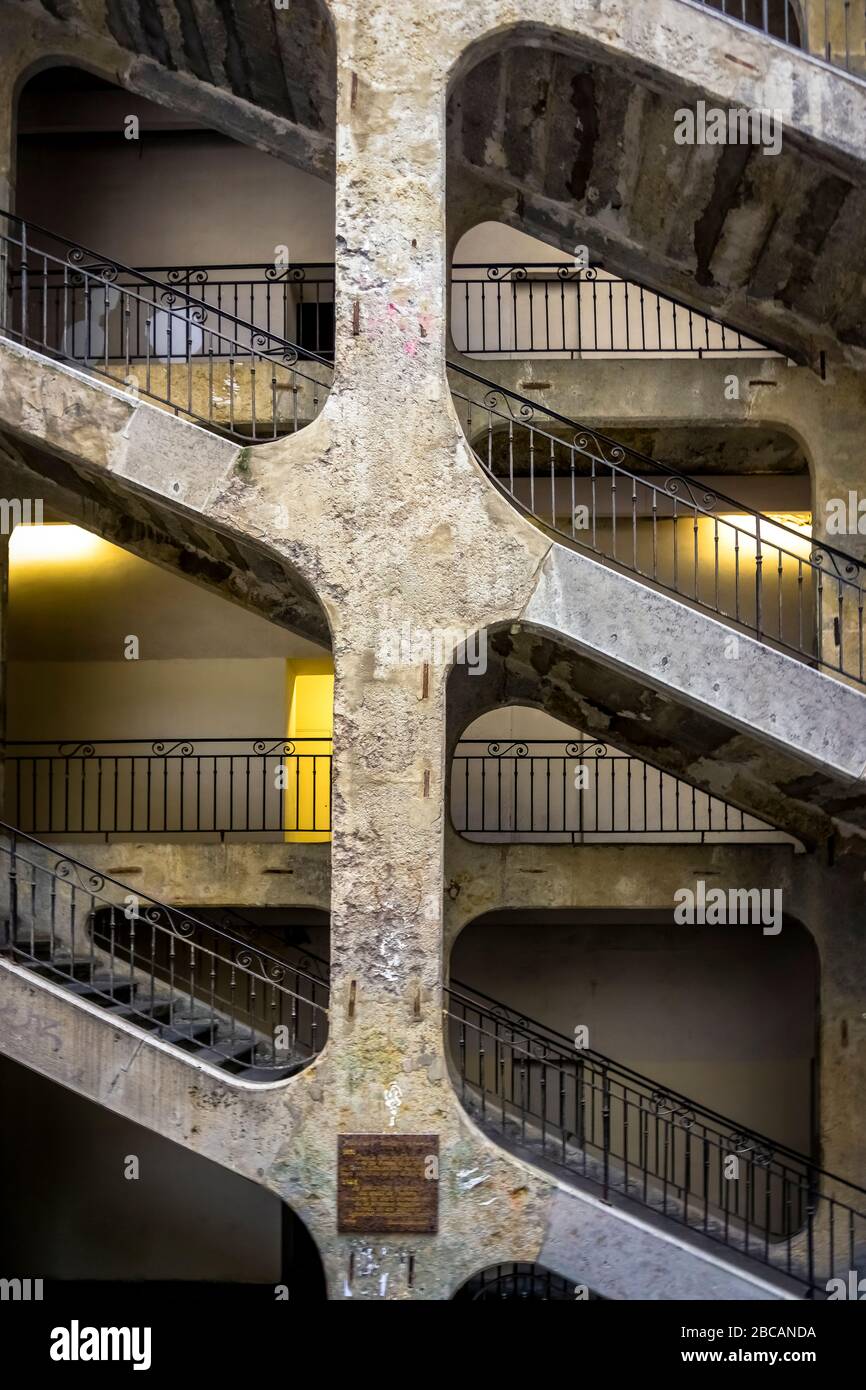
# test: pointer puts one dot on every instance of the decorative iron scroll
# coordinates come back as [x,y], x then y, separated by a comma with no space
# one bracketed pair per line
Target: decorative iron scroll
[255,964]
[291,273]
[844,566]
[500,750]
[283,748]
[579,748]
[494,400]
[78,875]
[196,275]
[666,1107]
[170,921]
[90,267]
[747,1146]
[702,499]
[191,310]
[501,273]
[604,451]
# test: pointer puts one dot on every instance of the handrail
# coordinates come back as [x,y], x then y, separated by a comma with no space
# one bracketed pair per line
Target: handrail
[200,987]
[273,271]
[564,308]
[627,1134]
[108,263]
[315,960]
[172,912]
[183,352]
[160,745]
[579,789]
[170,785]
[565,1046]
[760,585]
[666,469]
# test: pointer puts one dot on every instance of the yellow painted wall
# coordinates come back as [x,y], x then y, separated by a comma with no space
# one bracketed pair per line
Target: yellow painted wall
[310,704]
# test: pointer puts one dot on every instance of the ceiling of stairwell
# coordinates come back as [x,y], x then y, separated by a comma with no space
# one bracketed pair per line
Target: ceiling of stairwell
[234,568]
[579,152]
[280,61]
[530,668]
[717,450]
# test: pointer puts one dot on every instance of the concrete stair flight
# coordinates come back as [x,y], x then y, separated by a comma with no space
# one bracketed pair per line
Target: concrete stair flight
[180,979]
[597,1125]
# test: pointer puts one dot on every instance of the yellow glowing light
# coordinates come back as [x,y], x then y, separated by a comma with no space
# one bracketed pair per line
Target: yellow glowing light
[311,719]
[792,533]
[52,544]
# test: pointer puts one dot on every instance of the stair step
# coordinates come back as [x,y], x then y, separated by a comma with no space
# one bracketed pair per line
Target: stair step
[98,989]
[223,1057]
[183,1035]
[252,1073]
[80,970]
[132,1014]
[167,1010]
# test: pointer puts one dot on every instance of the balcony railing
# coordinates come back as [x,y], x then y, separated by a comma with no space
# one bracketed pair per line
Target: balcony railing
[579,791]
[551,309]
[295,302]
[625,1134]
[834,30]
[170,786]
[640,515]
[186,351]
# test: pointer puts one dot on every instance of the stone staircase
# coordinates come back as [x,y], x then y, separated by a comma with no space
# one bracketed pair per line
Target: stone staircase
[609,1131]
[180,979]
[177,1019]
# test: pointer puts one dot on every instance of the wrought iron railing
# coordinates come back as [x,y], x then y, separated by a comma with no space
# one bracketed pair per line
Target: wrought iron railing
[204,989]
[518,1280]
[170,786]
[578,791]
[230,919]
[179,349]
[554,309]
[295,302]
[754,571]
[623,1133]
[834,30]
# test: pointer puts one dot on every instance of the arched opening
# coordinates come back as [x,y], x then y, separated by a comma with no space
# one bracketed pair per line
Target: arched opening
[521,776]
[128,1206]
[145,710]
[668,1066]
[516,297]
[132,253]
[607,161]
[519,1279]
[722,1014]
[142,705]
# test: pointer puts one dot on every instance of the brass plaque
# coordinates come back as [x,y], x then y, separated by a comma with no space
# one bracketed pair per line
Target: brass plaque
[388,1184]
